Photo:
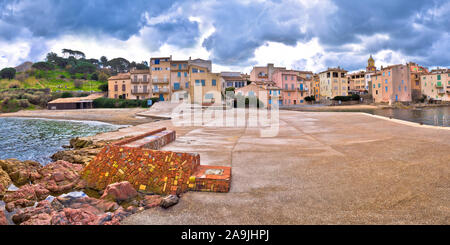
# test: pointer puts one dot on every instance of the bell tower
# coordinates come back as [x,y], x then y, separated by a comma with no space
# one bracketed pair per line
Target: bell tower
[371,65]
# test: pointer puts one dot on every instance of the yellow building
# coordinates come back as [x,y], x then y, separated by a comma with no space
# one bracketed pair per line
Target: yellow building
[140,85]
[316,88]
[119,86]
[204,86]
[436,84]
[333,82]
[179,79]
[160,75]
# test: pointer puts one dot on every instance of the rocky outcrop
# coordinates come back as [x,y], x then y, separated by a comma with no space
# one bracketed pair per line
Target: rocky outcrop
[169,201]
[3,220]
[60,176]
[82,153]
[25,196]
[79,143]
[21,173]
[151,201]
[119,192]
[5,181]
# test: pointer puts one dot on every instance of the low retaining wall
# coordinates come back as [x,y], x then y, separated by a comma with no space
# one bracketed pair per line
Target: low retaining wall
[154,171]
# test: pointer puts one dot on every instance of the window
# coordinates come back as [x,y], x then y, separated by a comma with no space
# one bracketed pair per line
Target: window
[385,81]
[209,96]
[399,89]
[197,82]
[176,86]
[185,74]
[157,62]
[389,73]
[384,74]
[116,88]
[251,93]
[438,77]
[386,88]
[289,94]
[379,85]
[194,70]
[124,88]
[214,82]
[203,83]
[187,85]
[179,66]
[403,82]
[406,88]
[179,74]
[202,71]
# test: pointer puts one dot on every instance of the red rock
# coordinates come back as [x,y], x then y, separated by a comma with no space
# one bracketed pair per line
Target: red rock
[71,216]
[26,196]
[122,191]
[152,201]
[34,213]
[93,205]
[60,176]
[3,220]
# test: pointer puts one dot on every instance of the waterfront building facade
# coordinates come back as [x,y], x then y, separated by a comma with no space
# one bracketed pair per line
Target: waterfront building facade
[416,72]
[392,84]
[357,83]
[232,79]
[294,86]
[436,84]
[119,86]
[333,82]
[264,73]
[160,74]
[204,86]
[268,93]
[316,87]
[140,84]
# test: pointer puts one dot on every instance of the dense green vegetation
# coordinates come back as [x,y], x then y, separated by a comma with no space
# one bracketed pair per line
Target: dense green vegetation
[347,98]
[121,103]
[72,72]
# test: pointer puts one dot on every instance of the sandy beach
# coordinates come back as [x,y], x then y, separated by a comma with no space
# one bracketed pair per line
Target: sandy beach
[114,116]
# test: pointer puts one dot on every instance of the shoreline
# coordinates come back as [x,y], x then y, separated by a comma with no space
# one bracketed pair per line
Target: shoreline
[120,117]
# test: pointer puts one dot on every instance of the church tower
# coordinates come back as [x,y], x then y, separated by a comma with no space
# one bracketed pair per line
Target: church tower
[371,65]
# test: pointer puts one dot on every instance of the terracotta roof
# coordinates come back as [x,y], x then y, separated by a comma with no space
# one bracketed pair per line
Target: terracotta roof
[140,71]
[120,76]
[89,98]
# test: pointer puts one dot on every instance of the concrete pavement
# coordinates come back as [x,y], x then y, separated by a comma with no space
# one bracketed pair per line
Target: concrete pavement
[322,168]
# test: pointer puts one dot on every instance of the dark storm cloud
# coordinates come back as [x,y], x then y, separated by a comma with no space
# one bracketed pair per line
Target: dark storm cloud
[241,28]
[414,28]
[52,18]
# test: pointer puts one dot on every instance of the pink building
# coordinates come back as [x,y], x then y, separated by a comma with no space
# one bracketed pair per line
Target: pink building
[294,87]
[263,73]
[391,84]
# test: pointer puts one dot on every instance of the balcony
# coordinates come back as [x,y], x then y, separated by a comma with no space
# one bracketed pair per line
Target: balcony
[140,91]
[161,90]
[439,85]
[160,81]
[139,80]
[441,91]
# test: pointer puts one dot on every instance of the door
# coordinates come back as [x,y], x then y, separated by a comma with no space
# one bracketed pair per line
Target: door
[161,97]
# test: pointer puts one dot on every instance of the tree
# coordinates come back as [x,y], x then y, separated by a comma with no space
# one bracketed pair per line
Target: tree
[46,66]
[104,61]
[8,73]
[103,87]
[83,67]
[94,77]
[103,77]
[142,66]
[119,65]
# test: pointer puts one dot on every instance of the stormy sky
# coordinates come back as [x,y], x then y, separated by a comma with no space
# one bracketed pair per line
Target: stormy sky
[235,35]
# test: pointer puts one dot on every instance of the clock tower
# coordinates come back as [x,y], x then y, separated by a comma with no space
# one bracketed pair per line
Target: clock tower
[371,65]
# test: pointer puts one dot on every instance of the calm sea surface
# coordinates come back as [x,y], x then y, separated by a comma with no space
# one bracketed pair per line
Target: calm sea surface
[38,139]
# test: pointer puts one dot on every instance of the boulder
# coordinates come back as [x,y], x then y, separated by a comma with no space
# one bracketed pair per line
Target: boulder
[59,176]
[79,143]
[120,192]
[5,181]
[3,220]
[41,214]
[80,156]
[21,173]
[25,196]
[169,201]
[71,216]
[151,201]
[93,205]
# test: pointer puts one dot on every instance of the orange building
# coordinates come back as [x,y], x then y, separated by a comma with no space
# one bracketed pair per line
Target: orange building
[392,84]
